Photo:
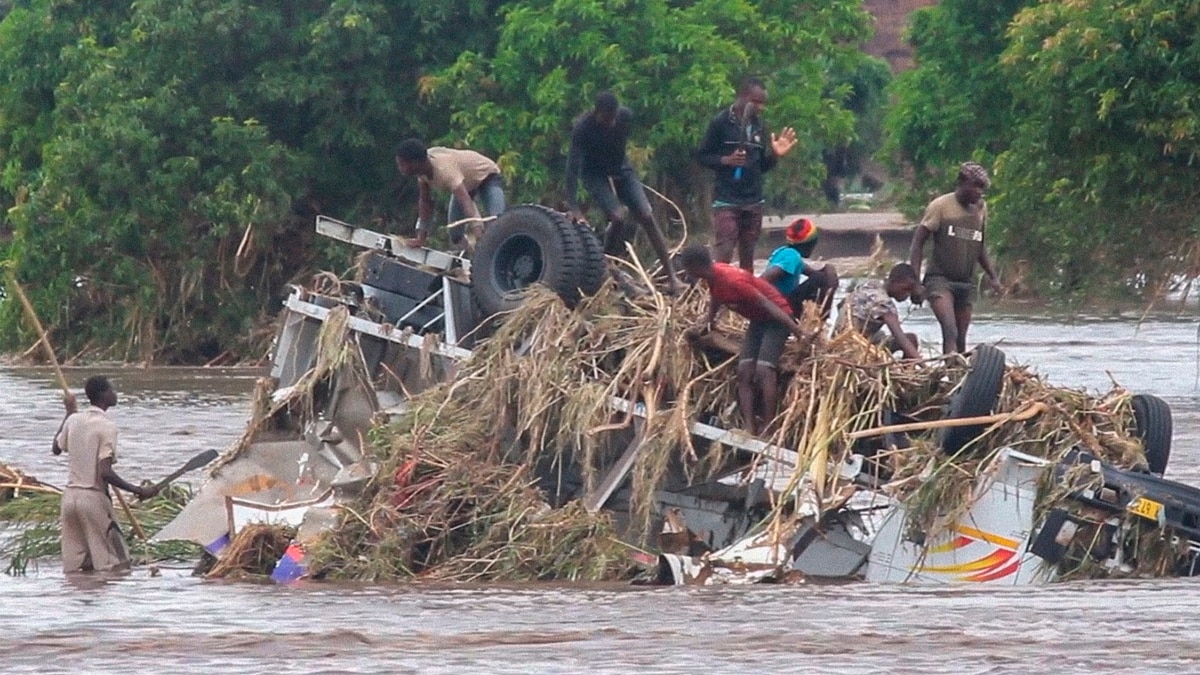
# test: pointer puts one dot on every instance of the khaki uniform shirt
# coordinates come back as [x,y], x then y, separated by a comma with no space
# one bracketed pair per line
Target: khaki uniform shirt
[88,437]
[957,237]
[452,168]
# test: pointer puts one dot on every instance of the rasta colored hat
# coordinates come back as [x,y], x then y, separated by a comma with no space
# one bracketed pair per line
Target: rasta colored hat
[800,231]
[974,172]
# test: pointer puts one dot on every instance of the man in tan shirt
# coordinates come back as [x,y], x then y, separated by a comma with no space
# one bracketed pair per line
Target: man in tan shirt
[956,222]
[91,539]
[465,174]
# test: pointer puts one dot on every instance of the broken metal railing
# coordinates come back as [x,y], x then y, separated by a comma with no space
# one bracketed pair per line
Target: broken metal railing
[397,247]
[297,304]
[733,439]
[391,244]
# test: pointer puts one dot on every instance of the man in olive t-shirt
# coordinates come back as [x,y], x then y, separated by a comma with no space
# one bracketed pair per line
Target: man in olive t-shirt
[956,221]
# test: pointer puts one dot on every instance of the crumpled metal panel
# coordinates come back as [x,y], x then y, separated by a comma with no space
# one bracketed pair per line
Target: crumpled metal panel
[269,472]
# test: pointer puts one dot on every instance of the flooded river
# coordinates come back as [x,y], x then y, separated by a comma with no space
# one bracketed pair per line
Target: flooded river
[175,623]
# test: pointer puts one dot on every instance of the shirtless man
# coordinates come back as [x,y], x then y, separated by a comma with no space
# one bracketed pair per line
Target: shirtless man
[91,539]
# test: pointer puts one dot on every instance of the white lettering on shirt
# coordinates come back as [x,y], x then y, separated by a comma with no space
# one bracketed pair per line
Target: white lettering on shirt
[964,233]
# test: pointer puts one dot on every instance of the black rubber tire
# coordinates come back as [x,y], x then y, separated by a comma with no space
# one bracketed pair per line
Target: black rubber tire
[592,270]
[527,244]
[1152,424]
[977,396]
[899,440]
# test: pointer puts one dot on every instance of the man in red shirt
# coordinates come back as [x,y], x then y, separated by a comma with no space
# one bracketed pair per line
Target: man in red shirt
[770,322]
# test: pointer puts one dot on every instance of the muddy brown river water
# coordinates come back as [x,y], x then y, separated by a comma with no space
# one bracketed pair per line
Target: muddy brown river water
[175,623]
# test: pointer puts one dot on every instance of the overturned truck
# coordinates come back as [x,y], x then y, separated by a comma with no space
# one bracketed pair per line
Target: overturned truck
[517,416]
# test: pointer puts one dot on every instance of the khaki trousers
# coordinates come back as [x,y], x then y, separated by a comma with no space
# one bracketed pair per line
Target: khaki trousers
[91,539]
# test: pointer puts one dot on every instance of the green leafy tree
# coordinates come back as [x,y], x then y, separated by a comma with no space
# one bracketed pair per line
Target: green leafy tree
[1102,178]
[674,63]
[865,88]
[957,103]
[162,159]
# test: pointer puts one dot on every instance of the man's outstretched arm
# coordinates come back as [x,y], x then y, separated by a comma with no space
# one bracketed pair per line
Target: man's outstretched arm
[60,437]
[893,323]
[110,476]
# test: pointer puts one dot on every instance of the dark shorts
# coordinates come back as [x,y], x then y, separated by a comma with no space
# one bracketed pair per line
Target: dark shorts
[963,292]
[624,188]
[764,343]
[733,224]
[883,338]
[818,288]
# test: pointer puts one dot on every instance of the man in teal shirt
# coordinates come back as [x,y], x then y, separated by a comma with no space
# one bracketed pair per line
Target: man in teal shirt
[796,279]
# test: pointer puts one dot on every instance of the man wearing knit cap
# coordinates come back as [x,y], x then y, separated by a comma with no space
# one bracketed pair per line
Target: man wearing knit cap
[956,222]
[791,271]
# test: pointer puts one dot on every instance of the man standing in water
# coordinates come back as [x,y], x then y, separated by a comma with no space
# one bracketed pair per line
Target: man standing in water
[735,147]
[956,221]
[597,157]
[91,539]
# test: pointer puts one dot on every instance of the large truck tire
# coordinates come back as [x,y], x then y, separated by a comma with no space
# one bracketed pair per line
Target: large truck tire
[527,244]
[978,394]
[1152,424]
[593,267]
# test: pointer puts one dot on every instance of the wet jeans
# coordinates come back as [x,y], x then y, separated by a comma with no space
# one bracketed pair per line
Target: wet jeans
[490,193]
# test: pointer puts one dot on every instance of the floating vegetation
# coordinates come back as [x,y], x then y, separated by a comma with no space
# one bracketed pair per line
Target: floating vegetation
[461,492]
[29,526]
[456,497]
[253,553]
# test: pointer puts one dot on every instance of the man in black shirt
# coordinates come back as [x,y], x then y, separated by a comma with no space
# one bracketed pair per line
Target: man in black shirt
[735,148]
[597,157]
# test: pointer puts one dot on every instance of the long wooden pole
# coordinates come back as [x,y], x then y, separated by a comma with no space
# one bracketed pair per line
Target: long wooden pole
[1016,416]
[37,325]
[30,314]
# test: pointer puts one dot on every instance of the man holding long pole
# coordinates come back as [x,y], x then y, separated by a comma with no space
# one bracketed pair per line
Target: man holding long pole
[91,539]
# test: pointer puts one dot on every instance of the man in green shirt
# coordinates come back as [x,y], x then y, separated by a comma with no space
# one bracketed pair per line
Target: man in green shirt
[956,222]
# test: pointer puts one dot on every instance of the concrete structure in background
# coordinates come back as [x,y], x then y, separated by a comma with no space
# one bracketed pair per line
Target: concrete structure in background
[844,235]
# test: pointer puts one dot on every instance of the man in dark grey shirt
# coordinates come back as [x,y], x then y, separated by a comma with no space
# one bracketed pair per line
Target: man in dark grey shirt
[597,158]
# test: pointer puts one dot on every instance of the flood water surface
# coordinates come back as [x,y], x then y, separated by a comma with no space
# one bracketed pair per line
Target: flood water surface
[175,622]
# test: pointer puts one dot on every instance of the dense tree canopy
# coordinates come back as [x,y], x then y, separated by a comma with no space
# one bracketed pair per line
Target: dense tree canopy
[160,161]
[956,104]
[145,144]
[1088,110]
[673,63]
[1102,179]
